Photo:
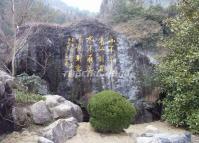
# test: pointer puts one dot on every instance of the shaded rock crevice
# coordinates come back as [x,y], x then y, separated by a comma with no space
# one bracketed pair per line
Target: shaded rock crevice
[7,101]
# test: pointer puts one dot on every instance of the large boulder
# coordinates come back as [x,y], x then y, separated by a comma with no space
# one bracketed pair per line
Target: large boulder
[165,138]
[61,130]
[40,113]
[83,59]
[153,135]
[54,107]
[62,108]
[7,102]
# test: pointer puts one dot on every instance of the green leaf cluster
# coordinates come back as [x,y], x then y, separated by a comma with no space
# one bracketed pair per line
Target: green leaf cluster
[178,72]
[23,97]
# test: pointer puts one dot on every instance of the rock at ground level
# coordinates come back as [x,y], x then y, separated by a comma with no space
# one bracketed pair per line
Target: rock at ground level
[7,101]
[86,134]
[153,135]
[165,138]
[40,113]
[22,117]
[61,130]
[62,108]
[44,140]
[43,112]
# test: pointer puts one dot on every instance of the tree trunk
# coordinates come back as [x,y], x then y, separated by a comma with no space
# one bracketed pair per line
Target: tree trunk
[14,37]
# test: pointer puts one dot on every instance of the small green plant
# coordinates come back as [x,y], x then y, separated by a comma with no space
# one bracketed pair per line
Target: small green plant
[110,112]
[27,97]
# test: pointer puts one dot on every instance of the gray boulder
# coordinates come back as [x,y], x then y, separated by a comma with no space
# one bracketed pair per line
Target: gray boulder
[61,130]
[61,111]
[153,135]
[40,113]
[22,117]
[62,108]
[54,107]
[44,140]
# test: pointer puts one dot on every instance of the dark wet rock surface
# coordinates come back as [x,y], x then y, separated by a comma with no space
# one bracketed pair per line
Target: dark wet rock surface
[56,54]
[7,101]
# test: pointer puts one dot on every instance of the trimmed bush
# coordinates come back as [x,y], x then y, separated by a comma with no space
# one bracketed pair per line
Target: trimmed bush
[110,112]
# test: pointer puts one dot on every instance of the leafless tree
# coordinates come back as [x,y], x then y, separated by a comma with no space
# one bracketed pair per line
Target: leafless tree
[14,36]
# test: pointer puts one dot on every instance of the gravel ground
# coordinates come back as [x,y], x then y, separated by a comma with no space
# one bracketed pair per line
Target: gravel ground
[86,134]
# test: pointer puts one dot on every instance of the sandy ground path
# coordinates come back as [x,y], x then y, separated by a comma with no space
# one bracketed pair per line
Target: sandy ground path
[86,134]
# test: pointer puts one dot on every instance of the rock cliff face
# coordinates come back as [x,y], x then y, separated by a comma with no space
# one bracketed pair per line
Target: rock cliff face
[7,100]
[82,59]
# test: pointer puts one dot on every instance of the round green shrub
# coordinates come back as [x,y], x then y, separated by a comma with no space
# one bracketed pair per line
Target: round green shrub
[110,112]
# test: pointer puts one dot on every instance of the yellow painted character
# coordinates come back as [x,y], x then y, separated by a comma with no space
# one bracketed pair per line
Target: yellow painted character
[90,59]
[78,58]
[101,68]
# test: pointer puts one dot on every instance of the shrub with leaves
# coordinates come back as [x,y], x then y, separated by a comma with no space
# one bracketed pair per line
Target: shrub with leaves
[110,112]
[193,122]
[179,70]
[27,97]
[33,83]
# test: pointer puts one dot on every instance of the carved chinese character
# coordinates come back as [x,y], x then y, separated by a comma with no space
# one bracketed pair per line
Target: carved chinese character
[90,48]
[101,41]
[78,58]
[111,58]
[73,40]
[90,59]
[90,39]
[112,41]
[78,68]
[66,61]
[89,69]
[69,40]
[79,47]
[111,48]
[101,68]
[101,59]
[101,48]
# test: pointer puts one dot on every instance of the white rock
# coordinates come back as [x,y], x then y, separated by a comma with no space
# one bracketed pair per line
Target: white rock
[145,140]
[60,108]
[76,111]
[61,130]
[44,140]
[54,100]
[40,113]
[61,111]
[165,138]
